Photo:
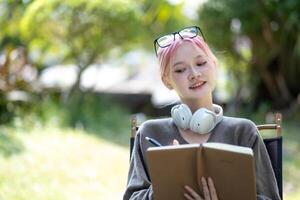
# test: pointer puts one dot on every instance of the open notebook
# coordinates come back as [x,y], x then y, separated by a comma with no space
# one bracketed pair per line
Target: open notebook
[231,168]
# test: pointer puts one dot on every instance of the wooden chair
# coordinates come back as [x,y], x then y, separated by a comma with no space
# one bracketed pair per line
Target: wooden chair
[273,145]
[274,148]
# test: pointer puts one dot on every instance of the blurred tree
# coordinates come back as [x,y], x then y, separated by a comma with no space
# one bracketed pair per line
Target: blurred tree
[13,58]
[84,32]
[79,31]
[12,49]
[76,31]
[262,44]
[160,17]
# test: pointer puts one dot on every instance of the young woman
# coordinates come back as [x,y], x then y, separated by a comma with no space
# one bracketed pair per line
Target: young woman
[189,67]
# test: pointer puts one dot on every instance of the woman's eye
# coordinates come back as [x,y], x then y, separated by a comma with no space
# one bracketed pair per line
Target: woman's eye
[201,63]
[179,70]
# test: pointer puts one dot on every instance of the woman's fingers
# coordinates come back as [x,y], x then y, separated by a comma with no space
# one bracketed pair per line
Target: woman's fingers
[191,195]
[205,189]
[209,191]
[175,142]
[212,189]
[187,196]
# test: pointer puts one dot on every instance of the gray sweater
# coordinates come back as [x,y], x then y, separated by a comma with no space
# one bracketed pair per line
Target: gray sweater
[236,131]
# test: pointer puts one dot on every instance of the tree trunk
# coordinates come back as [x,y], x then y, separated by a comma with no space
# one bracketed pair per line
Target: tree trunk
[76,87]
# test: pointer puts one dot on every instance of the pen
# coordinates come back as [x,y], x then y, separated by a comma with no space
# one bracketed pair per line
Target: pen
[153,141]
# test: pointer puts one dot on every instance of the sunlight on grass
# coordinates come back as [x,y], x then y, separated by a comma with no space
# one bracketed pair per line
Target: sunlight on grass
[63,164]
[53,163]
[291,161]
[294,196]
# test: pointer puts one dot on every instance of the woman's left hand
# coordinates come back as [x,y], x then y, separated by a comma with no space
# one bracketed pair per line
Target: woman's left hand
[209,191]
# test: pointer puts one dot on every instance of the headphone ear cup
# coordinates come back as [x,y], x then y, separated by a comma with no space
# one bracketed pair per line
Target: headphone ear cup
[181,115]
[202,121]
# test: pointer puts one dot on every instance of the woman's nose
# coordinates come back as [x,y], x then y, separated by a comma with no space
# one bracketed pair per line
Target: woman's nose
[194,74]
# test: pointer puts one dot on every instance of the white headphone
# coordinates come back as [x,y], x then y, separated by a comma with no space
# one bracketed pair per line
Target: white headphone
[202,121]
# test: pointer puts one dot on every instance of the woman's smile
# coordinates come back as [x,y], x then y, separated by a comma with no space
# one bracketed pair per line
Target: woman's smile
[197,85]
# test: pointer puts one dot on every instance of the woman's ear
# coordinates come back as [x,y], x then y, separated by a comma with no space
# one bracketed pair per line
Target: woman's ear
[166,82]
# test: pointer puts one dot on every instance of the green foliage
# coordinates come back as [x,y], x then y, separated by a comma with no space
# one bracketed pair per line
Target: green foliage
[45,109]
[160,17]
[9,143]
[85,111]
[6,113]
[100,116]
[260,39]
[84,32]
[11,13]
[80,31]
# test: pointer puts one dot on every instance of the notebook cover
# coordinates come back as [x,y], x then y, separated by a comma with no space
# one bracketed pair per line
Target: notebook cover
[172,167]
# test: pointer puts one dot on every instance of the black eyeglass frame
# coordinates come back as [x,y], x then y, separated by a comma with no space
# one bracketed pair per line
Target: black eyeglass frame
[174,35]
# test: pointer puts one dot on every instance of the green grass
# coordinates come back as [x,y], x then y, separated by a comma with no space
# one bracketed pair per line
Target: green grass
[291,160]
[51,154]
[55,163]
[65,164]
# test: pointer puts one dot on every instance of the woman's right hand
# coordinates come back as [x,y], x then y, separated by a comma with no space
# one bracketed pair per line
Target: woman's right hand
[209,191]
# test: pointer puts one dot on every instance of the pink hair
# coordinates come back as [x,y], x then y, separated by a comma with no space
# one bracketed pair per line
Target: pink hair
[165,54]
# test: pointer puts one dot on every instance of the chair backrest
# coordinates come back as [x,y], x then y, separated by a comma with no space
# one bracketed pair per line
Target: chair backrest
[274,148]
[134,129]
[273,145]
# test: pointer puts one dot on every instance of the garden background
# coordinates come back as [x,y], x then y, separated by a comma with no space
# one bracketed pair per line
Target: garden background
[73,72]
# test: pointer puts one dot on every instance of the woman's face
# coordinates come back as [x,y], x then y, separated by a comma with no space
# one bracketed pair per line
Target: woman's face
[191,72]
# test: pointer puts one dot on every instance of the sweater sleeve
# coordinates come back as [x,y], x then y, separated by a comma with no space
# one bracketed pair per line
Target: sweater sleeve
[266,185]
[138,184]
